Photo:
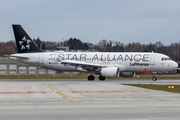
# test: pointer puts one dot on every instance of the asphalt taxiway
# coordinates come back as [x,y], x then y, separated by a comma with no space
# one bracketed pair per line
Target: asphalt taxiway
[82,99]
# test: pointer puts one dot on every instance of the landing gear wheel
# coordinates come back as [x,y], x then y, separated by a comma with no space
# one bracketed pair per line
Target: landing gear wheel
[101,78]
[91,77]
[154,78]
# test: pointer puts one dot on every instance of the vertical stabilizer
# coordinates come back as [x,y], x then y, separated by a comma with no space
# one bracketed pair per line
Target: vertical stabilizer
[24,43]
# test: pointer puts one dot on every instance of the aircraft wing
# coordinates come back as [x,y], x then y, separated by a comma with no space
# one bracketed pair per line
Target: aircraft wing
[80,64]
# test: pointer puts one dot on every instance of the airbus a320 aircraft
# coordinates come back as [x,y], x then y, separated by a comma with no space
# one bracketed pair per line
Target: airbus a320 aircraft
[105,64]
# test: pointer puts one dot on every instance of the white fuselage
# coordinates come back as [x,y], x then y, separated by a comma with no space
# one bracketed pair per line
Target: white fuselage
[125,61]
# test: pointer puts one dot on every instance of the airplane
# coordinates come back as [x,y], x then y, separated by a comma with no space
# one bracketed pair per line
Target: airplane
[105,64]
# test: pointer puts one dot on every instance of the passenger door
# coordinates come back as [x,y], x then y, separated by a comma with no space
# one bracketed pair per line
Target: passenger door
[152,59]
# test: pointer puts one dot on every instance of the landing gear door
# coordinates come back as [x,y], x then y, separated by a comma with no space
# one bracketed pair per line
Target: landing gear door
[41,59]
[152,59]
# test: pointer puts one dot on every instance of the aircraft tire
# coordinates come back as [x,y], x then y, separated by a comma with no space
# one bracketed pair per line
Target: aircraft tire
[101,78]
[154,78]
[91,77]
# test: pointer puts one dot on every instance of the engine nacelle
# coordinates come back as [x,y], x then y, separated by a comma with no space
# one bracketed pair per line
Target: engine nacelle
[127,74]
[111,72]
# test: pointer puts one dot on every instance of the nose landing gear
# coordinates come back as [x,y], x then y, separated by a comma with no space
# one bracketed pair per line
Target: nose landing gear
[154,78]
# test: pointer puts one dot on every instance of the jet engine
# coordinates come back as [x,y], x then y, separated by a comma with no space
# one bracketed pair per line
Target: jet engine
[111,72]
[127,74]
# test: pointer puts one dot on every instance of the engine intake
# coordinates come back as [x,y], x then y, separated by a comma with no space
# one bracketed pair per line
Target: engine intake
[111,72]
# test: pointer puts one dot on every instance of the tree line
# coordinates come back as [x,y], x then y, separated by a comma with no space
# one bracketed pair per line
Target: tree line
[172,50]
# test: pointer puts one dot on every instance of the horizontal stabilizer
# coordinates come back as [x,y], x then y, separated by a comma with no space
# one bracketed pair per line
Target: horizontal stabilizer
[19,56]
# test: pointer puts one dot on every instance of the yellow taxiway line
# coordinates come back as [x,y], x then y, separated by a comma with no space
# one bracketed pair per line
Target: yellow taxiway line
[65,96]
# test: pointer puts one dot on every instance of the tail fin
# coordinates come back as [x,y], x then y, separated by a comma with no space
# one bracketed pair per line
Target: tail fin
[24,43]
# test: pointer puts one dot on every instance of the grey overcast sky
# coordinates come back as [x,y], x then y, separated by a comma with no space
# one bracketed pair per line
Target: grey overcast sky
[127,21]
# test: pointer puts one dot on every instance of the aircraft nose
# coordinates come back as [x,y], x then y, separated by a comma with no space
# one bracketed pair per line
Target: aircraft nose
[175,65]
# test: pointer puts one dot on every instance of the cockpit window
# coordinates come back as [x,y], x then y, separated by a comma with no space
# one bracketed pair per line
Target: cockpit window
[165,59]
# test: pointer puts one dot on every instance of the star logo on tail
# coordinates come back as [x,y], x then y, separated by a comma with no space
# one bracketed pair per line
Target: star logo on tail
[25,43]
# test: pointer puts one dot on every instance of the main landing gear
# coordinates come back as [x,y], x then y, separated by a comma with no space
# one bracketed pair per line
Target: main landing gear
[101,78]
[91,78]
